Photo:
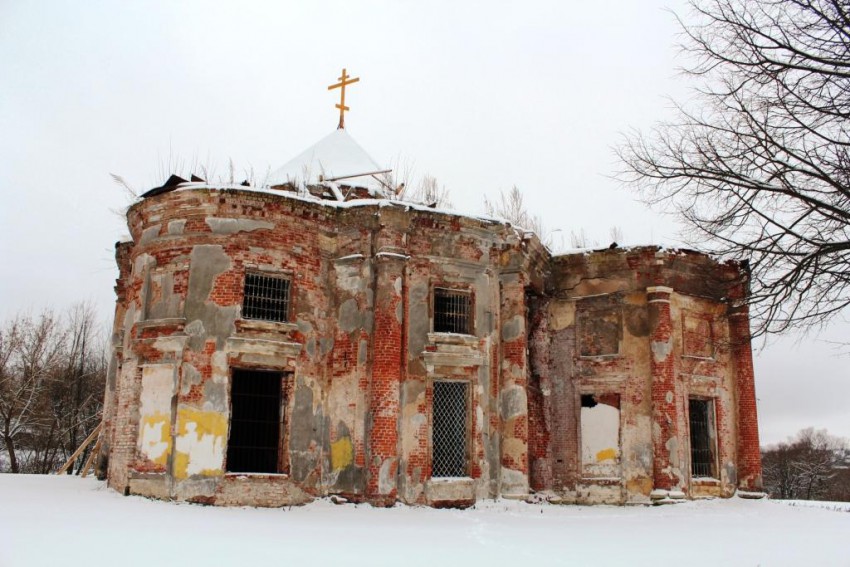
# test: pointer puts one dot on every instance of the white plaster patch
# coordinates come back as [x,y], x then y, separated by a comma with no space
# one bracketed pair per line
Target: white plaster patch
[386,476]
[514,402]
[513,482]
[218,361]
[231,226]
[195,328]
[348,278]
[154,407]
[205,451]
[176,226]
[157,389]
[600,439]
[142,261]
[169,343]
[661,350]
[151,442]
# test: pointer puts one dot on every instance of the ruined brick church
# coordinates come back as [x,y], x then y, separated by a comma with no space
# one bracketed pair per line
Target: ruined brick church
[313,337]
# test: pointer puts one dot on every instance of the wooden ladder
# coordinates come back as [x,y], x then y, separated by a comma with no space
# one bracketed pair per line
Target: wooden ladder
[81,448]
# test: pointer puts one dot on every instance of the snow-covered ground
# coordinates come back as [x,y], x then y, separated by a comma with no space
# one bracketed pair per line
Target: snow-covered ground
[68,521]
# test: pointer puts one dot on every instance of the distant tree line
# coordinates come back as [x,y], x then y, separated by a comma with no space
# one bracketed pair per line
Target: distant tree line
[813,465]
[52,378]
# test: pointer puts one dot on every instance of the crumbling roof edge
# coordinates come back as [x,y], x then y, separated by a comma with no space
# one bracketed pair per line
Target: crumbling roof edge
[670,250]
[187,186]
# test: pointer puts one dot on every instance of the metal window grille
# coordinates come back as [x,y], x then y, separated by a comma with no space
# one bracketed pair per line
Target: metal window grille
[701,453]
[449,429]
[266,297]
[452,310]
[255,422]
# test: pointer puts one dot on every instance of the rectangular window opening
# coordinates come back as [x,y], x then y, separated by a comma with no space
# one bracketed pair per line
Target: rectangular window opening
[701,416]
[256,422]
[449,433]
[452,311]
[600,435]
[266,297]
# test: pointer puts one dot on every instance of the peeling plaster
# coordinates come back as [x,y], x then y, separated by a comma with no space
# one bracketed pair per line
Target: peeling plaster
[154,440]
[232,226]
[176,227]
[386,476]
[514,402]
[199,447]
[661,350]
[513,328]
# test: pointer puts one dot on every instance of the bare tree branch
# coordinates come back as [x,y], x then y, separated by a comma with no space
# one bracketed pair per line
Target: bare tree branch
[759,167]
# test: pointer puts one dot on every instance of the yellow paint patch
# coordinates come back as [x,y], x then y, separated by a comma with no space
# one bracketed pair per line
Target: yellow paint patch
[155,437]
[606,455]
[200,443]
[181,464]
[206,422]
[342,453]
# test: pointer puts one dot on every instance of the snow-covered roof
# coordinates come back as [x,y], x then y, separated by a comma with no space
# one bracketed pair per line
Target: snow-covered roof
[336,158]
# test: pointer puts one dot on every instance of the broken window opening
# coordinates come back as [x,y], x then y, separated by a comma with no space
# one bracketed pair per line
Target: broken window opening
[266,297]
[449,431]
[256,422]
[701,416]
[600,435]
[452,311]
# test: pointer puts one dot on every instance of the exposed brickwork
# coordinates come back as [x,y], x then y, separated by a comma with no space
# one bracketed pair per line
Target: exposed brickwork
[749,455]
[666,399]
[386,377]
[360,356]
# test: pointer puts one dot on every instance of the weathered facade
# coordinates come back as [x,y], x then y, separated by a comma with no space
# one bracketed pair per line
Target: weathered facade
[270,348]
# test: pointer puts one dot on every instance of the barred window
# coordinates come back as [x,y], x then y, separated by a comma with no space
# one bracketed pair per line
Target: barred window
[452,311]
[701,417]
[256,422]
[449,432]
[266,297]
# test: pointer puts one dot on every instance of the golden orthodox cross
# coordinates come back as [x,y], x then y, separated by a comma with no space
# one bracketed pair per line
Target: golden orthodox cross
[343,81]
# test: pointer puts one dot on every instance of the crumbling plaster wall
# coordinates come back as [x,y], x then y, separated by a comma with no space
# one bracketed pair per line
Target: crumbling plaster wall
[358,352]
[182,319]
[596,333]
[641,330]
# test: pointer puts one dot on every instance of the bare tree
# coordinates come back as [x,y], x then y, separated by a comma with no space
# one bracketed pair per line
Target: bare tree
[760,165]
[431,193]
[807,467]
[30,350]
[76,391]
[510,206]
[402,183]
[52,377]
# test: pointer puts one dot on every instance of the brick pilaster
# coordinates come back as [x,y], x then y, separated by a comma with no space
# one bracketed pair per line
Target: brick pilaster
[749,455]
[514,382]
[666,470]
[387,370]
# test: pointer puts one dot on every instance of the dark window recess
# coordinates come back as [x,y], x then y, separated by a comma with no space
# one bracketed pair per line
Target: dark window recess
[701,438]
[255,422]
[588,401]
[266,297]
[449,430]
[452,311]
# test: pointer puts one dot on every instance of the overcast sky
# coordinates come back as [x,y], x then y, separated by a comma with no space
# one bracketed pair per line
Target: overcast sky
[482,96]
